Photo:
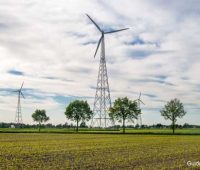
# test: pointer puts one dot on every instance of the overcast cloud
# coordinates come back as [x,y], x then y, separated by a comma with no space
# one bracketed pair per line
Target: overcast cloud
[50,44]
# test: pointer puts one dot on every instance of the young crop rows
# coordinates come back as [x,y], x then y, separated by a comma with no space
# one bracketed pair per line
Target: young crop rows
[95,151]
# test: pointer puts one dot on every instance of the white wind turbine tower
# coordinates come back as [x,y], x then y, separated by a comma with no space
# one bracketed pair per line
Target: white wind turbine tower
[102,100]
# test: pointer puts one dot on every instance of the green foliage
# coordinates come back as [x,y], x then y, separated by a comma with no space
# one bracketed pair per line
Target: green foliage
[172,110]
[124,109]
[83,124]
[40,116]
[78,110]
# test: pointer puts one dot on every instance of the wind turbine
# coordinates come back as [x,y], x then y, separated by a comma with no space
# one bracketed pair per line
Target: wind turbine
[139,120]
[102,100]
[18,117]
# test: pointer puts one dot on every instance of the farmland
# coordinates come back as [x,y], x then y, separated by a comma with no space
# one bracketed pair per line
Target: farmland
[188,131]
[97,151]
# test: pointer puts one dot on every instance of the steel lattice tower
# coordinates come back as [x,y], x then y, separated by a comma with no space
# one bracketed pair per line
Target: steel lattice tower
[18,117]
[139,120]
[102,100]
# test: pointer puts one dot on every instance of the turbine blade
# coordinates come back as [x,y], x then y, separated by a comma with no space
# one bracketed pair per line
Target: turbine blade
[139,95]
[141,101]
[109,32]
[94,23]
[21,86]
[98,46]
[22,95]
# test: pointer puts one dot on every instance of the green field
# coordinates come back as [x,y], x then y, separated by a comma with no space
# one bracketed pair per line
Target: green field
[97,151]
[97,130]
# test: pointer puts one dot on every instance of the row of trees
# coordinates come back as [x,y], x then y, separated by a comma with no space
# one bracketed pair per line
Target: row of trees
[123,110]
[84,125]
[42,125]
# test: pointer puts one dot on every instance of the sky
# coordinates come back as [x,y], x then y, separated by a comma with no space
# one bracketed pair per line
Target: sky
[50,45]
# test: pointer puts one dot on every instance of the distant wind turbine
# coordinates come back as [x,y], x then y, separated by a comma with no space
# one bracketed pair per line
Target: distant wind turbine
[139,120]
[18,117]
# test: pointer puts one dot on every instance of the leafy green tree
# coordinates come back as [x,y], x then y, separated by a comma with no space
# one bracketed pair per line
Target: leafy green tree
[172,110]
[137,126]
[124,109]
[40,116]
[78,110]
[83,125]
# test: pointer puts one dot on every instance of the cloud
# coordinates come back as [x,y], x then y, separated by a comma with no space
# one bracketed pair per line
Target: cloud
[51,49]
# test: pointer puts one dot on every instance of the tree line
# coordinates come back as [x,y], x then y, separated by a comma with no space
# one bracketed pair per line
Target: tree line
[123,110]
[84,125]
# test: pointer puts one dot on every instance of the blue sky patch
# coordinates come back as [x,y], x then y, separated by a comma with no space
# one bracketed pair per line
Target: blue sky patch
[89,42]
[67,99]
[16,72]
[162,77]
[137,40]
[152,81]
[77,34]
[3,26]
[150,95]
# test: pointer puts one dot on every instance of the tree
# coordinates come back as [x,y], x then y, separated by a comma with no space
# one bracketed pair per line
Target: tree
[124,109]
[40,116]
[83,125]
[172,110]
[78,110]
[137,126]
[159,125]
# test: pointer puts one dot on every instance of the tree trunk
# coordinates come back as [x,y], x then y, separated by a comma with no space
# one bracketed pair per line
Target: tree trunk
[173,123]
[173,126]
[39,127]
[123,125]
[77,125]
